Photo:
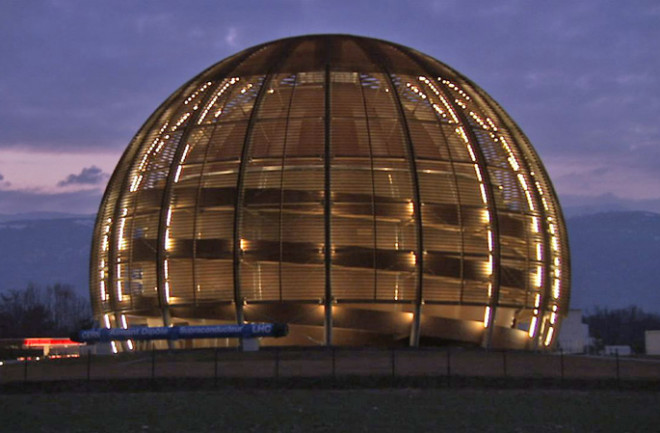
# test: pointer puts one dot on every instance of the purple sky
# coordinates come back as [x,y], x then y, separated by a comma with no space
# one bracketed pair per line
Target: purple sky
[77,79]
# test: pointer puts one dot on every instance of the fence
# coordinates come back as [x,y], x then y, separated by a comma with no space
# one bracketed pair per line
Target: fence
[273,363]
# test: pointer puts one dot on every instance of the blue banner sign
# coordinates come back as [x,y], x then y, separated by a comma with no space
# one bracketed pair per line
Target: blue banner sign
[250,330]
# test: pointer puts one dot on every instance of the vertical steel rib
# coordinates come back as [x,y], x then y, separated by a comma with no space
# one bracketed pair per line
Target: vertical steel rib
[245,153]
[529,157]
[128,157]
[161,252]
[376,53]
[327,209]
[490,200]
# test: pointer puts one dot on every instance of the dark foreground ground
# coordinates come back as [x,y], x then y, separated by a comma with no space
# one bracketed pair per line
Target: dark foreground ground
[323,410]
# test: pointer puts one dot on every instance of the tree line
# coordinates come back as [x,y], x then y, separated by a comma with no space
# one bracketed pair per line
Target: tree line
[55,311]
[58,310]
[623,326]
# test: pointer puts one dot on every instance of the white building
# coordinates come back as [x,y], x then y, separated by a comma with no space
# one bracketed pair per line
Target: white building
[574,335]
[652,342]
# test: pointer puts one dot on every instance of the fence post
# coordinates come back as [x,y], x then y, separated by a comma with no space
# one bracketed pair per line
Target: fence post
[89,365]
[215,368]
[448,367]
[561,365]
[334,372]
[618,370]
[504,370]
[277,362]
[153,361]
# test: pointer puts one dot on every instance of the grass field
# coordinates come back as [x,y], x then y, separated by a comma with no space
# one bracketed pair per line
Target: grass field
[382,410]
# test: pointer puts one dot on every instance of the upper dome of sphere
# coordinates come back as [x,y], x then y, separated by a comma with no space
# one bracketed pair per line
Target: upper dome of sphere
[356,189]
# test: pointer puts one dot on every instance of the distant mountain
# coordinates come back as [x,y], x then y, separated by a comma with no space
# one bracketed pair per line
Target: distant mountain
[615,256]
[616,260]
[45,250]
[577,205]
[31,216]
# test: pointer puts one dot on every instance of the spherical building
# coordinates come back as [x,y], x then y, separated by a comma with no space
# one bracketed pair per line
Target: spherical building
[358,190]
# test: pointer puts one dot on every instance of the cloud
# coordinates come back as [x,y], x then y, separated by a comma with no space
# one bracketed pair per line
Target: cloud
[231,37]
[80,202]
[3,182]
[88,176]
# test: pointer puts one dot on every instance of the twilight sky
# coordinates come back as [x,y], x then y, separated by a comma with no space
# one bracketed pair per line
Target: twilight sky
[78,78]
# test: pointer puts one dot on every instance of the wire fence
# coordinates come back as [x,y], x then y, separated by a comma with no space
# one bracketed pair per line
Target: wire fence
[280,363]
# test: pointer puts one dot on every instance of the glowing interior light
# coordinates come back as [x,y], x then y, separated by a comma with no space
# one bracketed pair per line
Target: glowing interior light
[168,240]
[477,172]
[530,202]
[490,122]
[461,133]
[197,92]
[167,291]
[114,346]
[553,318]
[536,225]
[548,337]
[455,88]
[488,268]
[545,203]
[555,243]
[136,183]
[537,300]
[168,218]
[532,327]
[484,197]
[120,295]
[106,321]
[120,239]
[539,252]
[439,110]
[243,245]
[181,121]
[124,325]
[450,110]
[184,155]
[555,288]
[178,173]
[538,277]
[487,317]
[513,163]
[478,119]
[214,99]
